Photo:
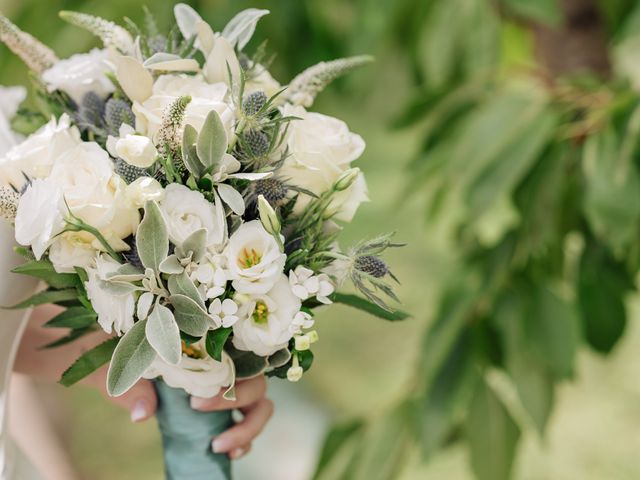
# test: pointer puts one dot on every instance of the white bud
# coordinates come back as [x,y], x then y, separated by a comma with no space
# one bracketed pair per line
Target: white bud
[268,216]
[346,179]
[313,336]
[302,343]
[294,374]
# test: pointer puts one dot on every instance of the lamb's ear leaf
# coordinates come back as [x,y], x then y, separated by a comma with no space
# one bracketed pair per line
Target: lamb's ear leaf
[89,362]
[241,28]
[183,285]
[190,153]
[192,319]
[152,239]
[163,334]
[196,243]
[212,142]
[131,358]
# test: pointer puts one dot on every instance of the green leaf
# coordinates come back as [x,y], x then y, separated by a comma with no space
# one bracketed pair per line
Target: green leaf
[46,297]
[74,317]
[215,342]
[152,239]
[334,442]
[492,435]
[369,307]
[71,337]
[189,152]
[212,141]
[602,285]
[163,334]
[545,11]
[196,244]
[280,358]
[248,364]
[131,358]
[191,317]
[89,362]
[183,285]
[44,270]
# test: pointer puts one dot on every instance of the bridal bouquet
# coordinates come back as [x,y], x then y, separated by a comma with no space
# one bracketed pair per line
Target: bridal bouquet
[185,202]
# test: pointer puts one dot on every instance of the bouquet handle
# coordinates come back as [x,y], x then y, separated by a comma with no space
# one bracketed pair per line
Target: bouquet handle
[187,435]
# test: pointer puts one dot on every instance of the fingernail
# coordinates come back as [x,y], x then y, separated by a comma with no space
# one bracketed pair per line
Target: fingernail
[220,445]
[237,453]
[198,403]
[139,411]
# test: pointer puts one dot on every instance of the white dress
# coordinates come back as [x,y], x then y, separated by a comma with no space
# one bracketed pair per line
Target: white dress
[13,288]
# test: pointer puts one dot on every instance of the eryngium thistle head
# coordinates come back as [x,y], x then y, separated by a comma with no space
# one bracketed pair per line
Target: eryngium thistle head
[92,109]
[374,266]
[116,113]
[127,172]
[9,199]
[132,256]
[253,103]
[257,142]
[273,190]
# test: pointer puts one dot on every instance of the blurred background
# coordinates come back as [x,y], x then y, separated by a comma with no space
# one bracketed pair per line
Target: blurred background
[505,119]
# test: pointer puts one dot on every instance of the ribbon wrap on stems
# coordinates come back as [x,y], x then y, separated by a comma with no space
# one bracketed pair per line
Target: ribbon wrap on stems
[187,436]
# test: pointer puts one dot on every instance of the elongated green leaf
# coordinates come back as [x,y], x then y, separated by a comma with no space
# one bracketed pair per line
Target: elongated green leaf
[335,441]
[493,436]
[248,364]
[212,141]
[163,334]
[545,11]
[215,342]
[152,239]
[183,285]
[191,317]
[131,358]
[189,151]
[46,297]
[89,362]
[369,307]
[44,270]
[74,317]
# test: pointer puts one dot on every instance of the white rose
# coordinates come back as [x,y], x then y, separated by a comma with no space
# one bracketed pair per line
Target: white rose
[37,154]
[186,211]
[264,324]
[137,150]
[320,149]
[95,194]
[40,216]
[67,251]
[81,74]
[202,377]
[115,312]
[10,99]
[205,97]
[254,259]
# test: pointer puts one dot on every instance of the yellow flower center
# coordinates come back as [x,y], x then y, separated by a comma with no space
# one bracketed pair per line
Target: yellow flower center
[249,258]
[191,351]
[261,313]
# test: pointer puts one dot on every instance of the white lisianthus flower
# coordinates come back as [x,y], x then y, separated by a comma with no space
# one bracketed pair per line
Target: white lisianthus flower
[81,74]
[302,321]
[197,373]
[115,312]
[321,149]
[40,216]
[67,251]
[136,150]
[224,313]
[95,194]
[211,276]
[168,88]
[10,99]
[254,259]
[186,211]
[305,284]
[264,324]
[36,155]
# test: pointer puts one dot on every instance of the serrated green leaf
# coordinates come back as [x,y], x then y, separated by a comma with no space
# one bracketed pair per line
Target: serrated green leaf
[212,142]
[44,270]
[74,317]
[152,239]
[215,342]
[131,358]
[89,362]
[369,307]
[163,334]
[191,318]
[45,297]
[71,337]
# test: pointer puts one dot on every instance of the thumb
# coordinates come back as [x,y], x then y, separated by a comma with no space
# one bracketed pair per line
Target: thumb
[140,400]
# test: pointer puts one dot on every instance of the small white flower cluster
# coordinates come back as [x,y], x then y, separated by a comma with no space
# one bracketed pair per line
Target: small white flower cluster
[178,133]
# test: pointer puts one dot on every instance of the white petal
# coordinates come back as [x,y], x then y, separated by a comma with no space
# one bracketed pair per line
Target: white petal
[251,176]
[144,305]
[187,19]
[206,37]
[300,292]
[171,63]
[134,79]
[229,307]
[232,197]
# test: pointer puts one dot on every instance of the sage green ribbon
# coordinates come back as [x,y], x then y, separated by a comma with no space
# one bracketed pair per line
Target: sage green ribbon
[187,436]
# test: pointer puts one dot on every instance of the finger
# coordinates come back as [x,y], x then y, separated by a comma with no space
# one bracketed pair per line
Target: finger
[243,433]
[239,452]
[248,392]
[141,401]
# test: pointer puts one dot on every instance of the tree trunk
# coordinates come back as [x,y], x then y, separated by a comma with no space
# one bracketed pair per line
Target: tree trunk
[579,45]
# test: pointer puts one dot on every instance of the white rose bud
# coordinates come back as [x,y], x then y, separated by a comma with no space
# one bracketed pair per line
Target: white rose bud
[137,150]
[268,216]
[143,190]
[346,179]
